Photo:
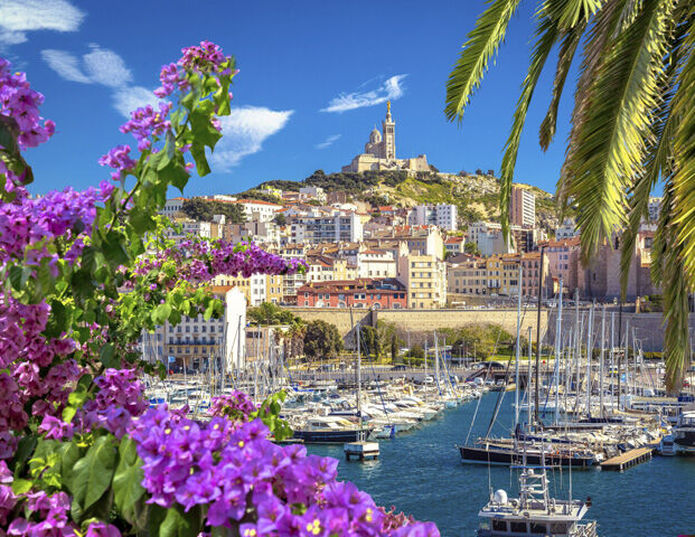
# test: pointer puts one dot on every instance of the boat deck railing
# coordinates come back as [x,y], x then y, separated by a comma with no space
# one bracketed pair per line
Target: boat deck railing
[585,530]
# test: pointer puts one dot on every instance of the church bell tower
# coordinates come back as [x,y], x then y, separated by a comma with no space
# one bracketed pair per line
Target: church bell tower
[389,129]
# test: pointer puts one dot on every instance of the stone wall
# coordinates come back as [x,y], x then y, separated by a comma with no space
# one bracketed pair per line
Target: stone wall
[419,324]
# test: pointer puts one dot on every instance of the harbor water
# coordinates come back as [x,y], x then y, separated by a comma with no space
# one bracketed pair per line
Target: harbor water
[420,473]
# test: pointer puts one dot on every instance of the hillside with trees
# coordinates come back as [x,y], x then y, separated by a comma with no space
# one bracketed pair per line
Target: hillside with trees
[475,194]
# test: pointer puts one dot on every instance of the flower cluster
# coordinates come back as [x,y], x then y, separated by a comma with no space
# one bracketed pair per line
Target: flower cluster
[21,103]
[119,399]
[201,59]
[200,260]
[48,516]
[38,371]
[236,405]
[146,123]
[234,470]
[28,226]
[119,159]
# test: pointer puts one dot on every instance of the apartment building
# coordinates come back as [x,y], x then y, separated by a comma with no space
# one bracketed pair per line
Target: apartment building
[454,245]
[377,293]
[254,288]
[172,207]
[190,228]
[262,211]
[195,343]
[567,230]
[373,263]
[441,215]
[424,276]
[467,275]
[337,227]
[522,207]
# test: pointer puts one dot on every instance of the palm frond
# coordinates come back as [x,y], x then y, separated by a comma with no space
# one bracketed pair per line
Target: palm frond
[611,137]
[675,289]
[548,34]
[659,162]
[684,155]
[597,42]
[564,61]
[482,45]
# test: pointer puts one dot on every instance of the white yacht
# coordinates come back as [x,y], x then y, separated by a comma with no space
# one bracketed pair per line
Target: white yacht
[533,512]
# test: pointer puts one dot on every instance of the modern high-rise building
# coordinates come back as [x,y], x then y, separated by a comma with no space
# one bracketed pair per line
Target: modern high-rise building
[522,207]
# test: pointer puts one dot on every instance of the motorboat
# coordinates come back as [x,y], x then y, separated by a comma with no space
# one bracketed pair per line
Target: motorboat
[534,512]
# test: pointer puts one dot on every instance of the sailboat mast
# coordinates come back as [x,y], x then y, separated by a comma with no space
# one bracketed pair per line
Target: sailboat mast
[538,338]
[558,338]
[589,352]
[359,375]
[600,364]
[528,377]
[518,351]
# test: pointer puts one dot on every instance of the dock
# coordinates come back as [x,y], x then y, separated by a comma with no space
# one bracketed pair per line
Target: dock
[628,459]
[362,450]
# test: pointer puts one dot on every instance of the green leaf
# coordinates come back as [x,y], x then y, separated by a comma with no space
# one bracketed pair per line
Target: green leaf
[19,275]
[69,454]
[479,49]
[106,356]
[25,447]
[180,524]
[114,249]
[128,493]
[92,474]
[21,486]
[161,313]
[69,413]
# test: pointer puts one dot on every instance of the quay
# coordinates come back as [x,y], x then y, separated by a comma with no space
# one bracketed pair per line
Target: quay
[362,450]
[628,459]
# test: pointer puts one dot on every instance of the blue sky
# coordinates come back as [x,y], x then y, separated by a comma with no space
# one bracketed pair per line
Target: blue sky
[314,75]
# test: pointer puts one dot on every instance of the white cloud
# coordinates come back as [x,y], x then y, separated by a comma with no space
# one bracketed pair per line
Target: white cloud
[101,66]
[20,16]
[245,130]
[65,64]
[328,141]
[127,99]
[106,67]
[390,89]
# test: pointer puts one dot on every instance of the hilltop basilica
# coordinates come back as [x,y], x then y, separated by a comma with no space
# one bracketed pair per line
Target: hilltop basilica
[380,151]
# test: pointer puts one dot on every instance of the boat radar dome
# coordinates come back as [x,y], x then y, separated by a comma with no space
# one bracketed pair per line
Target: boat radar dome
[500,497]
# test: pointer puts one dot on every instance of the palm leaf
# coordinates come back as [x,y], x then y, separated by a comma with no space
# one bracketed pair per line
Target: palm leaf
[659,162]
[611,137]
[675,295]
[548,35]
[564,61]
[482,45]
[597,43]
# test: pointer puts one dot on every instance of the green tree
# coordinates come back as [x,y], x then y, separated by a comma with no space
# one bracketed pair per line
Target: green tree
[632,128]
[267,314]
[322,340]
[471,248]
[280,219]
[203,210]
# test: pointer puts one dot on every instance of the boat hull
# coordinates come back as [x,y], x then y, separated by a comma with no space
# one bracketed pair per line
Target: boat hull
[483,455]
[332,437]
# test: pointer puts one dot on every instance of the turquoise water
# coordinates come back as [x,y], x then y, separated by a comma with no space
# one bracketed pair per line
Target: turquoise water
[420,473]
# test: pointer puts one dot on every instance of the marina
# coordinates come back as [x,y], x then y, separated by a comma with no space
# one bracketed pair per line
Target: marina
[653,499]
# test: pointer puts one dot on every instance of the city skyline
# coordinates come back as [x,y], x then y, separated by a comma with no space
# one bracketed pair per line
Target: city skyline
[298,106]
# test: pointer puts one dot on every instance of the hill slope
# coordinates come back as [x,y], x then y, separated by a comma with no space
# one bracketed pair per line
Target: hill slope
[476,196]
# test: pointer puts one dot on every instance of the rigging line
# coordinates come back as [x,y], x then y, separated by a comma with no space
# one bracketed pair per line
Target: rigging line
[500,398]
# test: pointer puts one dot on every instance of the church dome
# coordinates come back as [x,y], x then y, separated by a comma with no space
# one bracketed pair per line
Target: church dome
[375,136]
